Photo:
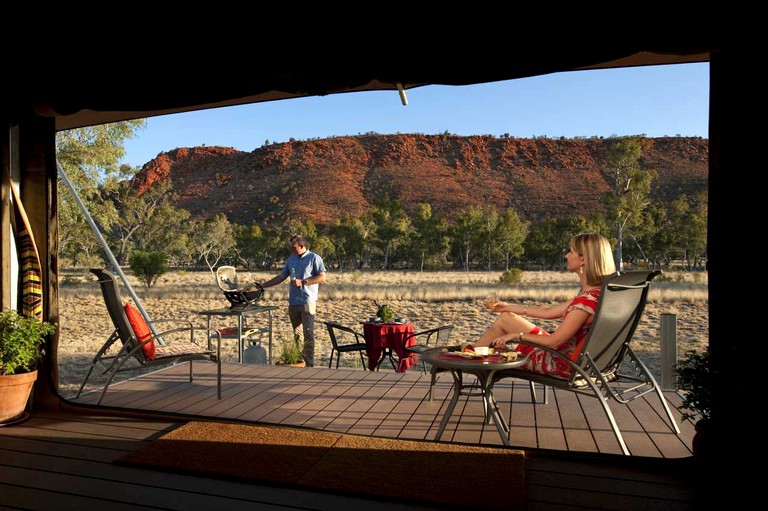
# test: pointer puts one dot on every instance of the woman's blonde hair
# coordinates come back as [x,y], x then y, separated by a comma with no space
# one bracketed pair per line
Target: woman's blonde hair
[597,254]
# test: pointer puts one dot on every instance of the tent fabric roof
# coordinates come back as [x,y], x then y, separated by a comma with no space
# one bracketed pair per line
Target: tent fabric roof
[79,99]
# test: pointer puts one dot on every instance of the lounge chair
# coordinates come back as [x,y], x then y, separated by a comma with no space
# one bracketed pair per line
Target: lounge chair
[606,359]
[139,344]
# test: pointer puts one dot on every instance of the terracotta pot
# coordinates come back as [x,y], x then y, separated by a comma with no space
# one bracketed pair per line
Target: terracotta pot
[298,364]
[14,394]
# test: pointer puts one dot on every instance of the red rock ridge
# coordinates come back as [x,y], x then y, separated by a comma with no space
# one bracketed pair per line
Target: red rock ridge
[325,179]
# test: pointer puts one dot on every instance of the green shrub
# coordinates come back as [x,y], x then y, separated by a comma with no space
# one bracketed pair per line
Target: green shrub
[148,266]
[511,276]
[694,376]
[290,351]
[21,341]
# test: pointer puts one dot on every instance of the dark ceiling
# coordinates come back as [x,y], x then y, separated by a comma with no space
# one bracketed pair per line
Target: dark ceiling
[90,96]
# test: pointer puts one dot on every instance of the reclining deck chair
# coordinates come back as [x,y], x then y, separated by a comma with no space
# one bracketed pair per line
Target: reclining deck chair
[165,351]
[226,277]
[597,372]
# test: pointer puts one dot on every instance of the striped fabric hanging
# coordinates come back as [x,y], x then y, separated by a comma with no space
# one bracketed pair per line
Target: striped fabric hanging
[29,262]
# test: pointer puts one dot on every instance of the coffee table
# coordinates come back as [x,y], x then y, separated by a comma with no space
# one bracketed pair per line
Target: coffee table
[483,368]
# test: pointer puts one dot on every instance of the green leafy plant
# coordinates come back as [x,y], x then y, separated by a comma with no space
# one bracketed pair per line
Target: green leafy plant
[694,376]
[21,341]
[386,313]
[148,266]
[290,351]
[511,276]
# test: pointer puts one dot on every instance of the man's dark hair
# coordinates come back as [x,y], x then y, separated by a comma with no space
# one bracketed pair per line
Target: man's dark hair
[299,239]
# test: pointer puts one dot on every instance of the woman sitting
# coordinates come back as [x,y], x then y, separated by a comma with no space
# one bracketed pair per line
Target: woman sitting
[590,258]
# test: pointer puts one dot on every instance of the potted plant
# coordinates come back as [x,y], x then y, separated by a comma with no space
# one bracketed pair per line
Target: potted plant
[694,376]
[21,341]
[290,353]
[384,312]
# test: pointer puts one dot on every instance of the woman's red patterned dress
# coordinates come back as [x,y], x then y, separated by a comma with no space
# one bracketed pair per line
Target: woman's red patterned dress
[540,361]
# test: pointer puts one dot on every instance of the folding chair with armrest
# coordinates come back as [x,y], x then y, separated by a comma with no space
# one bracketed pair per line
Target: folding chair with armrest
[598,370]
[166,351]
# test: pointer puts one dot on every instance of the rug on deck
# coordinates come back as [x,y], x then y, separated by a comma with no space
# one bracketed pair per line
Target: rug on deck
[403,470]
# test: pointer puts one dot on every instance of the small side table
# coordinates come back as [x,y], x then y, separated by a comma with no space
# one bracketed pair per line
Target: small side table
[483,368]
[240,314]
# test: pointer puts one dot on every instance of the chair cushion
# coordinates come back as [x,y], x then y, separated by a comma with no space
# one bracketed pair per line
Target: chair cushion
[140,330]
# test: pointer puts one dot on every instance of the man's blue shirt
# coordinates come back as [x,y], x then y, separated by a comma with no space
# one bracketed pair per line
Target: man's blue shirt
[302,267]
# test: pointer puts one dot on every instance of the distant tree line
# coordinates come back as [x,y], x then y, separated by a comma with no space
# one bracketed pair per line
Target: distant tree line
[386,237]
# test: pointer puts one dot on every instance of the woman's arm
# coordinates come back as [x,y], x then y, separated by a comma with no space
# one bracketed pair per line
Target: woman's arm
[553,312]
[567,329]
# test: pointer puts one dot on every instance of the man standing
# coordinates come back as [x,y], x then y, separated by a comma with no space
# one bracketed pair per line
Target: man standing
[306,270]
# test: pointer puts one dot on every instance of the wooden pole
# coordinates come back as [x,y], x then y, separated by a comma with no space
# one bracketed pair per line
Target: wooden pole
[668,351]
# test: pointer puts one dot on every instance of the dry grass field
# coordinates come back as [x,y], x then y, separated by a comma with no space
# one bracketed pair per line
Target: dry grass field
[427,299]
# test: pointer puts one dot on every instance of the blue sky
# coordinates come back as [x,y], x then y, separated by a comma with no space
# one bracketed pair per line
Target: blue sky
[654,100]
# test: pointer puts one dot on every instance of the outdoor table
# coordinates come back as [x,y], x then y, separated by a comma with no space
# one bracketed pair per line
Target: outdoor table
[383,338]
[240,313]
[483,368]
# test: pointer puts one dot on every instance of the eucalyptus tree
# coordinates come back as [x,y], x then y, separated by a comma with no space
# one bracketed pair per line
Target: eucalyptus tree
[465,233]
[212,239]
[392,226]
[510,234]
[429,239]
[631,186]
[89,156]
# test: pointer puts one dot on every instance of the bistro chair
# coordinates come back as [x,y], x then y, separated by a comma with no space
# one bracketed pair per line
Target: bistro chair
[437,336]
[431,338]
[338,333]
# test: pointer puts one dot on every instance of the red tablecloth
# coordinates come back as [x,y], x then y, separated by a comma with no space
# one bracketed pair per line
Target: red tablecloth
[379,336]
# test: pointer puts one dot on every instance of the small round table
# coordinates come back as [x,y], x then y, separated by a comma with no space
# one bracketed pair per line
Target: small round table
[483,368]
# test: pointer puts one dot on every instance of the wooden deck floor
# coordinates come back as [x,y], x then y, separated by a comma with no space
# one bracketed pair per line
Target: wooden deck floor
[63,461]
[394,405]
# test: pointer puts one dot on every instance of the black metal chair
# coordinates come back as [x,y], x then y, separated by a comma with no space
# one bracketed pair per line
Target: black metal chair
[166,351]
[436,336]
[599,368]
[338,333]
[431,338]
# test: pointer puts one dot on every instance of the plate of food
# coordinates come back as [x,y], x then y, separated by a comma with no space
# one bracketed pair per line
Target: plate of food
[469,351]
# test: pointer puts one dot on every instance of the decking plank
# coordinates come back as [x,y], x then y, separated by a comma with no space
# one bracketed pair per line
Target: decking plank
[332,389]
[521,417]
[190,394]
[303,393]
[120,432]
[423,422]
[246,394]
[575,424]
[599,426]
[549,427]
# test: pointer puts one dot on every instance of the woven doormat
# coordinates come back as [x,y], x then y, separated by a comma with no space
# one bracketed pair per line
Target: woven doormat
[402,470]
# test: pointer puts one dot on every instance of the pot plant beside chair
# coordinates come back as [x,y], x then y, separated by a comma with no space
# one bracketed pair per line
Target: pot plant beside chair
[290,353]
[694,377]
[21,342]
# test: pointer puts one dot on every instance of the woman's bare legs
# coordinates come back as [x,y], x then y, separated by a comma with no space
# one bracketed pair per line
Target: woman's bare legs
[506,323]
